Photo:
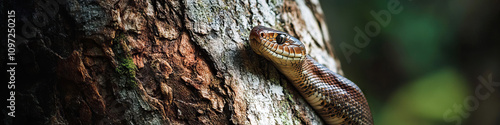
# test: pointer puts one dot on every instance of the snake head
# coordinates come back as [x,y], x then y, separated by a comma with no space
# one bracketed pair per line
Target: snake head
[277,46]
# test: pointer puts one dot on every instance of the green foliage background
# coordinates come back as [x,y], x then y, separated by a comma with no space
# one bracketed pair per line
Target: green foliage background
[425,61]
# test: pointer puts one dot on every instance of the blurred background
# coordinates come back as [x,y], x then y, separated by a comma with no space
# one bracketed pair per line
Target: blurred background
[434,62]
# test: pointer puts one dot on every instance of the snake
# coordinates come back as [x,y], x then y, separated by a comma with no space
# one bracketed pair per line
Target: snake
[336,99]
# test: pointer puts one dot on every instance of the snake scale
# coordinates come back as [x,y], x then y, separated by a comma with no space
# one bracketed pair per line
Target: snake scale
[335,98]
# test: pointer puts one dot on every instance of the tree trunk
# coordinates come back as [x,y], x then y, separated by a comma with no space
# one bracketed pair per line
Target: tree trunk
[159,62]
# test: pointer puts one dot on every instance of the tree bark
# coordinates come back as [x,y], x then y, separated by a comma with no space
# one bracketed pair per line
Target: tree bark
[161,62]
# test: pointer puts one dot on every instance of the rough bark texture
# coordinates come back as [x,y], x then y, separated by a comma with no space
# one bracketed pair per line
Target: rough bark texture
[160,62]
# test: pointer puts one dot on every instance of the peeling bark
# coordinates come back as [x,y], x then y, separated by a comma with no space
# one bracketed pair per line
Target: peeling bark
[164,62]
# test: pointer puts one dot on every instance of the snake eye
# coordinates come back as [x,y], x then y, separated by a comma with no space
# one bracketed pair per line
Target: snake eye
[280,39]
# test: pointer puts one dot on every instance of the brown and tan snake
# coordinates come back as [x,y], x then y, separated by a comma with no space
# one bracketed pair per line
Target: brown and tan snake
[335,98]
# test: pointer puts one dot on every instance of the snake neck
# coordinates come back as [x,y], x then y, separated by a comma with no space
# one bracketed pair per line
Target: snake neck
[328,93]
[297,73]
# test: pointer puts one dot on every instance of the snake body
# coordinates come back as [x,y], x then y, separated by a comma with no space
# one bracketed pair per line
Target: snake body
[335,98]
